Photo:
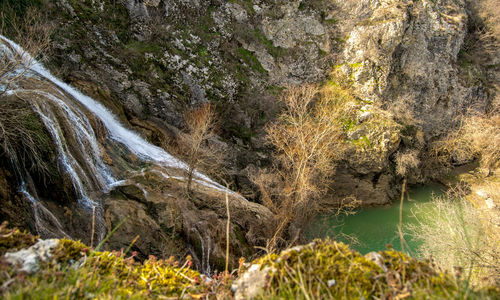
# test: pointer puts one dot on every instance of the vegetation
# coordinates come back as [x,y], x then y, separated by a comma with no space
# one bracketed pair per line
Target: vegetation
[24,141]
[306,139]
[77,271]
[461,237]
[201,124]
[14,239]
[323,269]
[478,136]
[327,269]
[31,31]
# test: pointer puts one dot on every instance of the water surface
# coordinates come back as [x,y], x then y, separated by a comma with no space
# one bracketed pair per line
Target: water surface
[375,227]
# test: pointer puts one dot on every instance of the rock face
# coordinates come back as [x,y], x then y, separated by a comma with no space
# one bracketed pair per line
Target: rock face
[107,177]
[403,54]
[169,223]
[166,56]
[150,60]
[28,260]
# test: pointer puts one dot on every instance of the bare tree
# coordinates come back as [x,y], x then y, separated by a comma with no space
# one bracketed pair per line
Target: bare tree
[405,162]
[201,123]
[307,142]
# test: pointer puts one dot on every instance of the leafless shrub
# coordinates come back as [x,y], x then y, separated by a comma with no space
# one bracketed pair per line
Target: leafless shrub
[406,161]
[307,143]
[31,32]
[478,136]
[196,144]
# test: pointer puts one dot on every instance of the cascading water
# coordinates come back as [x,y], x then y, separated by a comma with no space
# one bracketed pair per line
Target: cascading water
[43,216]
[65,114]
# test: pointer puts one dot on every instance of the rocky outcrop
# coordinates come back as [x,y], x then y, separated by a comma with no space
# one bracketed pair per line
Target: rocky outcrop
[404,55]
[150,60]
[29,260]
[101,175]
[170,223]
[165,56]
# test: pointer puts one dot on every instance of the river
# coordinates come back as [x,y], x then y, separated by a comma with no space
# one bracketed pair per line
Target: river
[375,227]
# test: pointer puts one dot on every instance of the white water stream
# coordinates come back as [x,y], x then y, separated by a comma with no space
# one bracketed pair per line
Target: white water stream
[55,104]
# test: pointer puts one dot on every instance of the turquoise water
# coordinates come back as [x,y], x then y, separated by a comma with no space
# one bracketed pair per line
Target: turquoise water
[375,227]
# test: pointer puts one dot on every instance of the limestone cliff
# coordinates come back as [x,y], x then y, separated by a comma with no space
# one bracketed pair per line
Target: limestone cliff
[155,58]
[150,60]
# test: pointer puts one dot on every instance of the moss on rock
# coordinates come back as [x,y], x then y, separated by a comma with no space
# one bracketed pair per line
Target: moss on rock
[327,269]
[76,271]
[14,239]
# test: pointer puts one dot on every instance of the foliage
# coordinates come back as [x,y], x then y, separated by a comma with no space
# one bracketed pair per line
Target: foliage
[322,269]
[76,271]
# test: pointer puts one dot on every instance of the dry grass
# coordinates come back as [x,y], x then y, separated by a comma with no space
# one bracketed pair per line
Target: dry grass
[23,139]
[460,238]
[478,136]
[482,41]
[406,161]
[489,11]
[31,32]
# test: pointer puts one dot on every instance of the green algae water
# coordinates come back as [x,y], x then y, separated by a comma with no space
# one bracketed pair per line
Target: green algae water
[375,227]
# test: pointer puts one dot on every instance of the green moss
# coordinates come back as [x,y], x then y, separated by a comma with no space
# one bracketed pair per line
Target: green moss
[34,126]
[247,4]
[275,90]
[327,269]
[315,265]
[355,65]
[323,269]
[67,250]
[348,123]
[245,248]
[332,21]
[14,239]
[242,132]
[251,60]
[143,47]
[105,275]
[362,142]
[261,38]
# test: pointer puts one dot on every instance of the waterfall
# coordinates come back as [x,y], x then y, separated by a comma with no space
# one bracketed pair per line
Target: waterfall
[116,130]
[42,215]
[61,106]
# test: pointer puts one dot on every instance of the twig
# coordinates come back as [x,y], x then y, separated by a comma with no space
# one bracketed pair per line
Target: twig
[400,227]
